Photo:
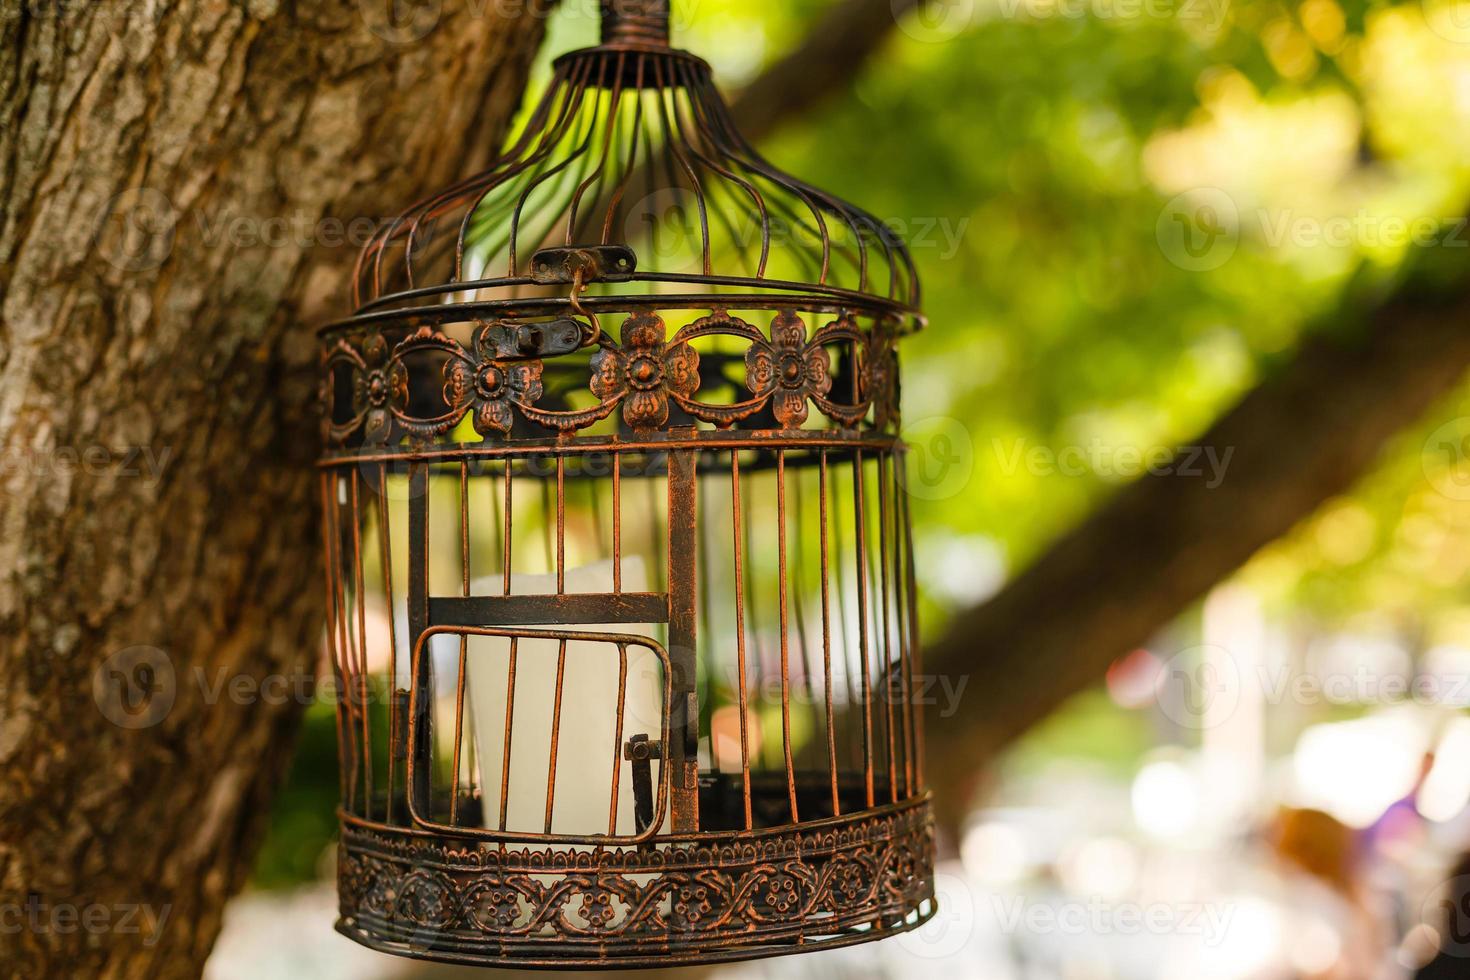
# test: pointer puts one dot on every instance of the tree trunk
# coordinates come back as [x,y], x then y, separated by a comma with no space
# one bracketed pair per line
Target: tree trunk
[180,182]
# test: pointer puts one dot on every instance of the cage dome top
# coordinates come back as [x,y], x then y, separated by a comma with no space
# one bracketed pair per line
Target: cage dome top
[629,178]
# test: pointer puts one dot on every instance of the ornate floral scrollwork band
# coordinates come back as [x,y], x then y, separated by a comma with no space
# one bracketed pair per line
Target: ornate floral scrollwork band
[814,885]
[644,374]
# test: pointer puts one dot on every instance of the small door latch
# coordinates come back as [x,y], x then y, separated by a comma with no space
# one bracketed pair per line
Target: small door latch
[512,340]
[641,751]
[596,263]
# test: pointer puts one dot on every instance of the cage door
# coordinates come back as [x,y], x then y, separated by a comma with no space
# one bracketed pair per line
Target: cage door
[546,732]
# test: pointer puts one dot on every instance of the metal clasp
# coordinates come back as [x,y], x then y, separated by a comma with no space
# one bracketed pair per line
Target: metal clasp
[590,263]
[641,751]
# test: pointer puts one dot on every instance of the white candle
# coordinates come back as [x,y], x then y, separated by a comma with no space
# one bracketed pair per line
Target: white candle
[588,720]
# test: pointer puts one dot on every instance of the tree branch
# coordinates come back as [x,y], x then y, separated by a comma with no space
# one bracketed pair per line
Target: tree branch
[828,59]
[1299,438]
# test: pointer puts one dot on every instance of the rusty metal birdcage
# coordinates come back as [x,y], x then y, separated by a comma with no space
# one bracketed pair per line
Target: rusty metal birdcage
[620,577]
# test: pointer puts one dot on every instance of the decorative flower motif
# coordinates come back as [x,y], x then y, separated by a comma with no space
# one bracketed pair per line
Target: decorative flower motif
[379,895]
[788,369]
[903,872]
[379,389]
[500,904]
[426,899]
[692,902]
[848,883]
[493,382]
[597,906]
[878,377]
[782,893]
[645,371]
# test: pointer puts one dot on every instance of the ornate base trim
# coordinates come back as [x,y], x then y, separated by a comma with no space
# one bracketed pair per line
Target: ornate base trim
[856,880]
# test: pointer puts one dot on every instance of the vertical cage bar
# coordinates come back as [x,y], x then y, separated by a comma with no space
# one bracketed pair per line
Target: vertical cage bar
[510,712]
[617,766]
[785,632]
[617,520]
[510,670]
[861,524]
[738,547]
[915,651]
[505,537]
[396,747]
[362,669]
[344,649]
[888,665]
[683,619]
[561,524]
[904,615]
[418,622]
[752,596]
[459,681]
[852,729]
[561,669]
[827,634]
[328,480]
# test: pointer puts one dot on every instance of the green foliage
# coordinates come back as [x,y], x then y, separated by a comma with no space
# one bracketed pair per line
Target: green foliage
[303,820]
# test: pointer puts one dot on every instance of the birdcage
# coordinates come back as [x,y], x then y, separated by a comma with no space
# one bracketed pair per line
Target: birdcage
[620,574]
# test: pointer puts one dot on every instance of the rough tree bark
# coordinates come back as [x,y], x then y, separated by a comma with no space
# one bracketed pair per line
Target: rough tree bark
[1303,435]
[166,169]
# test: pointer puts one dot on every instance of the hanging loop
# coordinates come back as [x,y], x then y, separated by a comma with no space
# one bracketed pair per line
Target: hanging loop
[635,22]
